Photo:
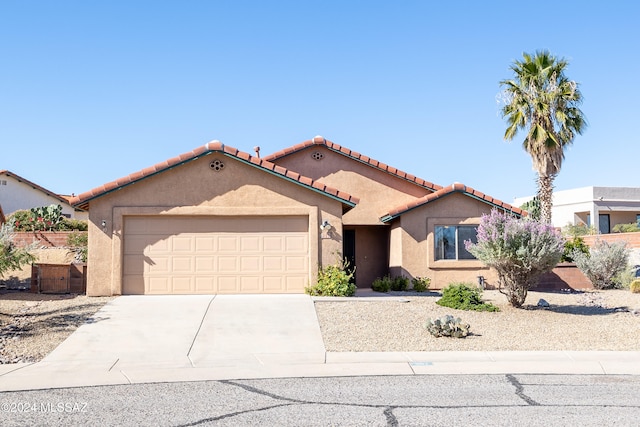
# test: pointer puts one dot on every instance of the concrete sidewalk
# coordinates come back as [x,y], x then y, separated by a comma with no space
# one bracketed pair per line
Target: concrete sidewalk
[141,339]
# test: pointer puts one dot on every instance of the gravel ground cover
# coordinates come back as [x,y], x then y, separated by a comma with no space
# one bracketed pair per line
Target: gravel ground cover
[592,320]
[32,325]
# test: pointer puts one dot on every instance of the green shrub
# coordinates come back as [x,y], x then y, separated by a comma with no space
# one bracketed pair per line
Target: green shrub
[464,296]
[420,284]
[447,326]
[21,220]
[635,286]
[78,242]
[382,284]
[520,250]
[68,224]
[25,220]
[12,256]
[578,230]
[626,228]
[399,283]
[570,246]
[333,280]
[604,262]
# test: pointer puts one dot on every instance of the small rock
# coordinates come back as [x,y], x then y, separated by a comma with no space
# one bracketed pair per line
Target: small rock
[543,303]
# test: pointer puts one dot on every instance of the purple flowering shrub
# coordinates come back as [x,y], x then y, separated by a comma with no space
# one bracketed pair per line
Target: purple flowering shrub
[520,250]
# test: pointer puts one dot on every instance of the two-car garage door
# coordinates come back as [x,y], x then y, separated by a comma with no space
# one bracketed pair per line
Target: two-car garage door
[214,255]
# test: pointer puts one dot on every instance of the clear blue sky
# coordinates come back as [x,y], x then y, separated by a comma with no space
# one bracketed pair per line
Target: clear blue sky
[92,91]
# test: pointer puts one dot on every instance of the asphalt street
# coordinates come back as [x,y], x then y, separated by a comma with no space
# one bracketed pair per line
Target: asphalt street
[433,400]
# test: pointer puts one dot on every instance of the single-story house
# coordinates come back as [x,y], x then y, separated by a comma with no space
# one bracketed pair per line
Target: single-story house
[601,207]
[18,193]
[219,220]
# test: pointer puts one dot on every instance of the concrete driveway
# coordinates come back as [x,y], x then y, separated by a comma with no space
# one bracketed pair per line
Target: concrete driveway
[197,331]
[180,338]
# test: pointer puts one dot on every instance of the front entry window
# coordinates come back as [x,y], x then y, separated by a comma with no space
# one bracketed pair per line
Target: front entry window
[449,241]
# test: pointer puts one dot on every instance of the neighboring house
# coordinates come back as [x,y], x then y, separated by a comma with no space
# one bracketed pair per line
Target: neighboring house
[18,193]
[580,206]
[218,220]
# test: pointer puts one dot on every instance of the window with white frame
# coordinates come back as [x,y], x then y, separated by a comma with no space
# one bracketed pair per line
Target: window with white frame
[449,241]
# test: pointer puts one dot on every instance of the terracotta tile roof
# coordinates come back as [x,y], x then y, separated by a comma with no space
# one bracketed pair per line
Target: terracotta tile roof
[443,192]
[34,185]
[319,140]
[82,200]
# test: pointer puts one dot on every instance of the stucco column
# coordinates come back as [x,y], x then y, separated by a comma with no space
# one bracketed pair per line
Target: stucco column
[595,217]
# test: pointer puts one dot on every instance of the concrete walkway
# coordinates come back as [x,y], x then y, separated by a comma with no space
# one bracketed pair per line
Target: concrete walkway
[140,339]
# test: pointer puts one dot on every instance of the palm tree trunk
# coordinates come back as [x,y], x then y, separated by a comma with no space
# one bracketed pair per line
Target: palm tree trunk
[545,195]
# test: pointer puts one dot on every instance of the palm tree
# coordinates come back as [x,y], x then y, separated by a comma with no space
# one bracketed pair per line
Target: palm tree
[542,100]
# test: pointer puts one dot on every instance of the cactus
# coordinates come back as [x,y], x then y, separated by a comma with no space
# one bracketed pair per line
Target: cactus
[634,287]
[447,326]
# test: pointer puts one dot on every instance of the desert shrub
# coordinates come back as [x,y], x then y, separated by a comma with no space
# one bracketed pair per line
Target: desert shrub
[578,230]
[575,244]
[399,283]
[464,296]
[626,228]
[11,256]
[333,280]
[634,286]
[623,279]
[520,250]
[420,284]
[382,284]
[78,242]
[603,263]
[69,224]
[533,208]
[21,220]
[447,326]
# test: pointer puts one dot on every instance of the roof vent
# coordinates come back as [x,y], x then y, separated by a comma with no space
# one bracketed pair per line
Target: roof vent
[216,165]
[316,155]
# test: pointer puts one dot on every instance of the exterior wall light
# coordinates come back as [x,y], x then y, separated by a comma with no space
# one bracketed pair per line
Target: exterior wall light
[104,224]
[325,226]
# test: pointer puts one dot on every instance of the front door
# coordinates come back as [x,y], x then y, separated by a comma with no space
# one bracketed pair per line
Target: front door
[349,250]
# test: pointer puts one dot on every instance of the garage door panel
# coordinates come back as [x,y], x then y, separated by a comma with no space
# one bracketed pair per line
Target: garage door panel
[250,264]
[156,244]
[228,244]
[250,284]
[205,244]
[182,244]
[274,284]
[182,284]
[182,264]
[205,265]
[164,255]
[273,243]
[250,244]
[205,285]
[157,265]
[296,244]
[228,284]
[298,264]
[295,283]
[159,285]
[228,264]
[273,263]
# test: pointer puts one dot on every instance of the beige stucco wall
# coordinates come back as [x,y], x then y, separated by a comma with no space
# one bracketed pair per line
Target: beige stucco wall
[378,191]
[195,189]
[412,242]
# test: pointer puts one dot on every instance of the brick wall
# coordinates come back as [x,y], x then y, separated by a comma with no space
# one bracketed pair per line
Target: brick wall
[51,239]
[632,239]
